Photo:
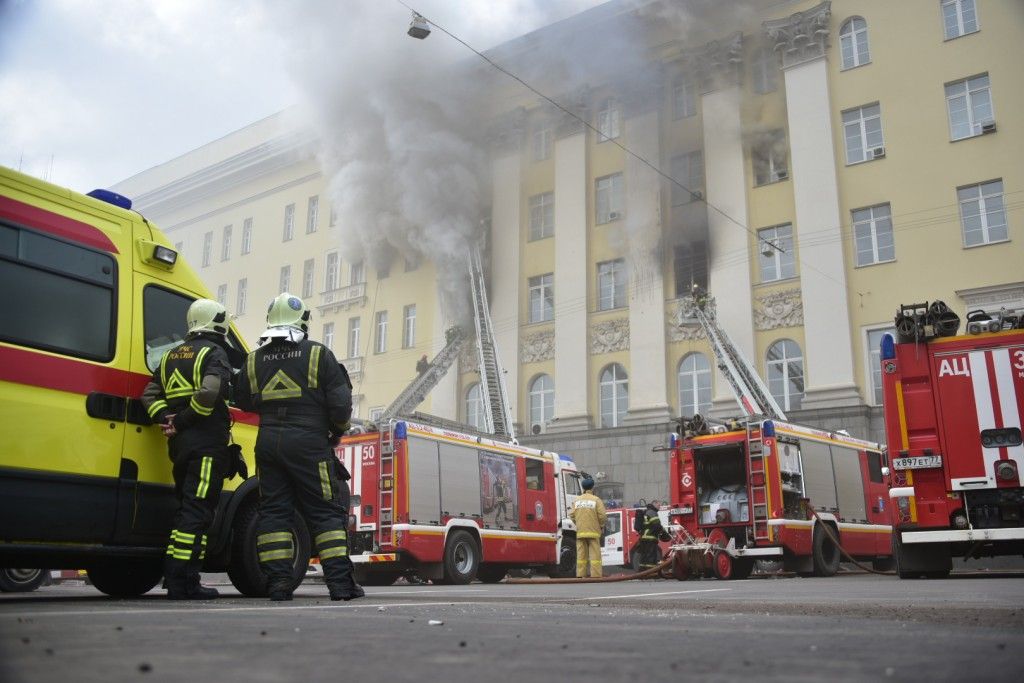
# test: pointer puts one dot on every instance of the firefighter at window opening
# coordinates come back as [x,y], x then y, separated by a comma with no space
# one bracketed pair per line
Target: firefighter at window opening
[422,365]
[647,548]
[304,401]
[589,515]
[187,398]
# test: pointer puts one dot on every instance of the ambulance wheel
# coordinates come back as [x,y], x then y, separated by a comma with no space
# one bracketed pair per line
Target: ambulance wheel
[127,578]
[825,553]
[491,573]
[21,580]
[461,558]
[244,570]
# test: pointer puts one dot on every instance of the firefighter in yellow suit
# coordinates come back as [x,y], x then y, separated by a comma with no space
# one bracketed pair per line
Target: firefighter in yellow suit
[589,515]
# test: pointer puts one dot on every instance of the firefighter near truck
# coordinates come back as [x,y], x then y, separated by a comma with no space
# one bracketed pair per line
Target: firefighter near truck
[954,407]
[454,507]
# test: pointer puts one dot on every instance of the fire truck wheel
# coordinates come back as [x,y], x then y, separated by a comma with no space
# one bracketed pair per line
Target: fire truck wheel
[385,578]
[491,573]
[825,553]
[742,568]
[461,558]
[244,570]
[127,578]
[883,564]
[21,580]
[566,568]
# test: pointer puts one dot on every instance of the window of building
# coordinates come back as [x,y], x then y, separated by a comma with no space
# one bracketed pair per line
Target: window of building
[243,292]
[959,17]
[353,337]
[874,342]
[312,214]
[608,197]
[542,215]
[289,223]
[611,284]
[376,413]
[542,400]
[609,120]
[770,155]
[542,298]
[328,336]
[331,268]
[225,244]
[764,71]
[285,282]
[982,215]
[786,374]
[694,385]
[688,170]
[862,129]
[222,294]
[382,332]
[872,232]
[853,43]
[690,263]
[684,97]
[969,103]
[357,273]
[207,248]
[307,277]
[333,220]
[776,253]
[409,326]
[614,395]
[542,140]
[247,236]
[474,407]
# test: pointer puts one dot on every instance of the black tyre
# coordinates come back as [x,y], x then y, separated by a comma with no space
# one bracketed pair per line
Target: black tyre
[244,570]
[461,558]
[742,568]
[825,552]
[21,580]
[491,573]
[127,578]
[379,578]
[883,564]
[566,567]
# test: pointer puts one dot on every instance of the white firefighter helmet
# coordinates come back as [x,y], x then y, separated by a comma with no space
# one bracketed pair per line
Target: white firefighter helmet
[206,315]
[286,315]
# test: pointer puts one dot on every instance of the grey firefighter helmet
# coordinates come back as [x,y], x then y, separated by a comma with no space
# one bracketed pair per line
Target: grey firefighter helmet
[207,315]
[286,315]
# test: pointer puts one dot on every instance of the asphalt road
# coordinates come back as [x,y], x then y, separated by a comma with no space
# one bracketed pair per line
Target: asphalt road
[849,628]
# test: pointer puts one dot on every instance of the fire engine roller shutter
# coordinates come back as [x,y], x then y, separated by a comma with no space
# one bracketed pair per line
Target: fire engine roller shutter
[819,478]
[424,482]
[849,484]
[460,480]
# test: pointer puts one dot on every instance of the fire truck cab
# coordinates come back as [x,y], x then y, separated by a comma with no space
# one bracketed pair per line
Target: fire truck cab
[619,543]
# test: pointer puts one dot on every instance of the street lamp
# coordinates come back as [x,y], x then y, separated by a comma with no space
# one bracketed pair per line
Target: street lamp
[419,28]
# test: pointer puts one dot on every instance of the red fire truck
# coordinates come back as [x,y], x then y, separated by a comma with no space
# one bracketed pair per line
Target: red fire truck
[749,488]
[454,507]
[953,413]
[619,545]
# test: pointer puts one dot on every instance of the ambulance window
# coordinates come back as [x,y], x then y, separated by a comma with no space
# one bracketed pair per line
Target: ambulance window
[164,322]
[534,474]
[63,295]
[875,467]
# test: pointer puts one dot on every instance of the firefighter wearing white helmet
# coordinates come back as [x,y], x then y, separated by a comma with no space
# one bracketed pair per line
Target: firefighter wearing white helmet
[304,401]
[187,398]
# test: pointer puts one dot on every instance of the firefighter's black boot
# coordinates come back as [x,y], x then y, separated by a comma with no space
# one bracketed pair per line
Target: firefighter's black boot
[196,590]
[346,592]
[280,591]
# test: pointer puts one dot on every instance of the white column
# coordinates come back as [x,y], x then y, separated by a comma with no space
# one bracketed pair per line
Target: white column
[728,243]
[505,270]
[647,377]
[828,353]
[571,355]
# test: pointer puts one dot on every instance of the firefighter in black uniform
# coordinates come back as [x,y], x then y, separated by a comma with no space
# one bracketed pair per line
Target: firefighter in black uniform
[187,397]
[652,532]
[304,402]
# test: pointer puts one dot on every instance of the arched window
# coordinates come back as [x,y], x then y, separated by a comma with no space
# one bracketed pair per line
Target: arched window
[853,43]
[614,395]
[694,385]
[786,373]
[542,400]
[474,407]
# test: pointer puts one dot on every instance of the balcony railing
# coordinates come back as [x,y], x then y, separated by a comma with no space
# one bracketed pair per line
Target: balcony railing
[342,298]
[354,366]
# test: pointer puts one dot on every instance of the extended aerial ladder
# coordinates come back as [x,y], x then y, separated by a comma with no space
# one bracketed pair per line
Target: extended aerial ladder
[413,395]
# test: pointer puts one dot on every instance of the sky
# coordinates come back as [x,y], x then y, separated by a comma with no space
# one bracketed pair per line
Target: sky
[92,92]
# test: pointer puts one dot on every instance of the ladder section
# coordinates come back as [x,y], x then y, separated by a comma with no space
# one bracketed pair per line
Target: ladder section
[386,488]
[497,415]
[758,481]
[418,389]
[750,392]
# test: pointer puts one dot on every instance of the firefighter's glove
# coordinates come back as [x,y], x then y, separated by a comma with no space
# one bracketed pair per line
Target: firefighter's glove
[236,463]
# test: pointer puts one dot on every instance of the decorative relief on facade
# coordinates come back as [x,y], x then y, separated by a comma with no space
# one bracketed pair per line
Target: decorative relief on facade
[469,360]
[719,63]
[801,37]
[683,321]
[609,336]
[538,347]
[779,309]
[994,297]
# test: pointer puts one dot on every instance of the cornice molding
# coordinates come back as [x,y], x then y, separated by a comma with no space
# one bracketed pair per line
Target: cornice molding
[801,37]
